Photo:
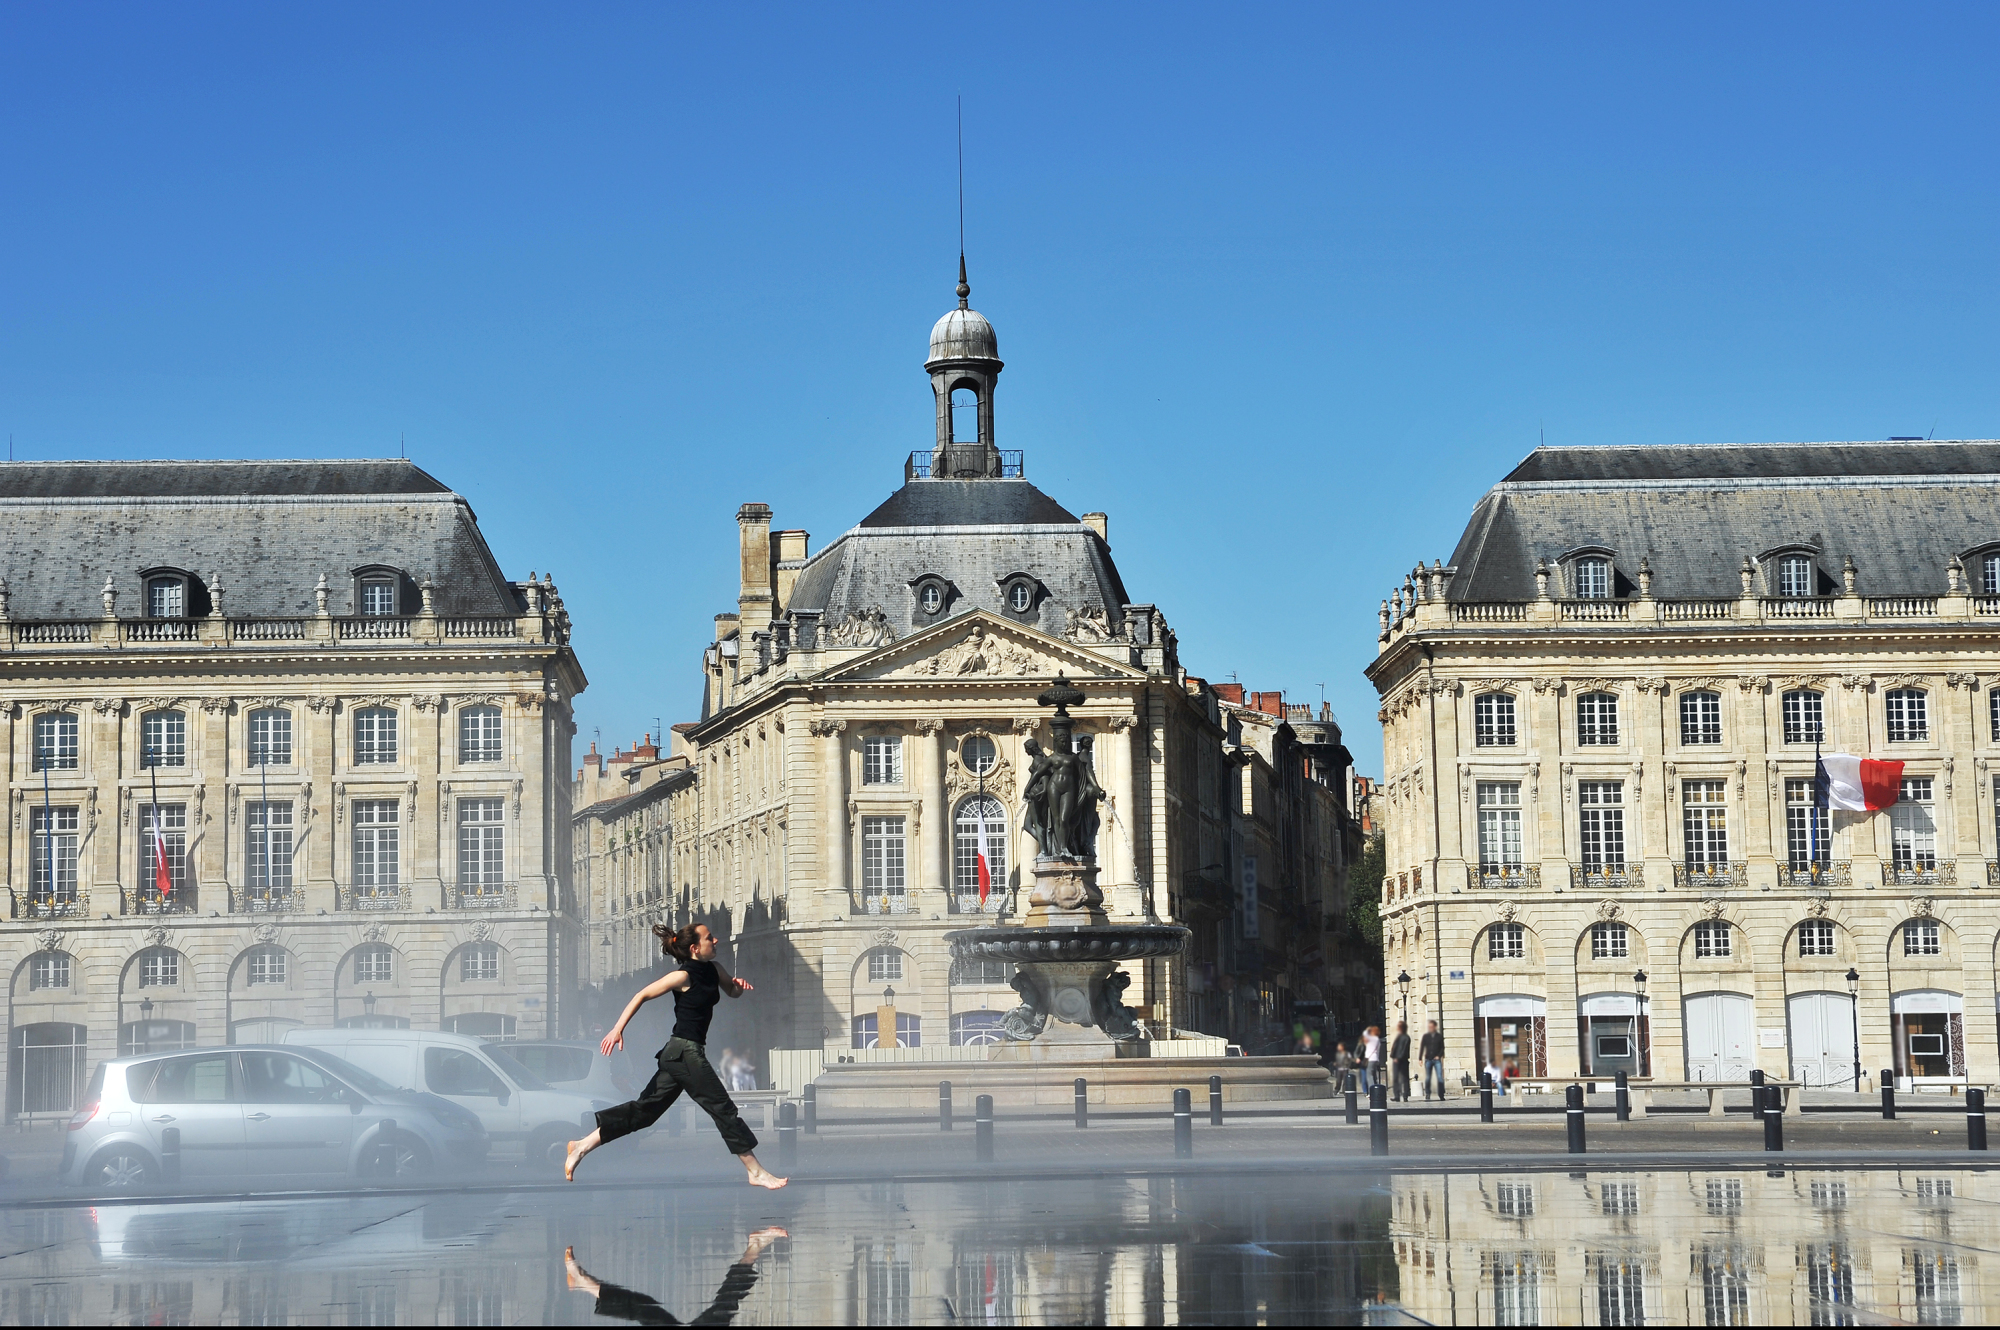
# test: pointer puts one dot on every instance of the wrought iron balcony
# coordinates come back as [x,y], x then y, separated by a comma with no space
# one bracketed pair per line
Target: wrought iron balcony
[267,900]
[1503,877]
[1711,877]
[1837,875]
[497,896]
[148,900]
[1624,877]
[889,903]
[73,903]
[1940,873]
[371,898]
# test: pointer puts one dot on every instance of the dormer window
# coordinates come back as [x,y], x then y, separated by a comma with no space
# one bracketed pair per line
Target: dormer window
[1592,575]
[166,597]
[378,595]
[1020,594]
[1020,598]
[931,598]
[1989,575]
[1795,576]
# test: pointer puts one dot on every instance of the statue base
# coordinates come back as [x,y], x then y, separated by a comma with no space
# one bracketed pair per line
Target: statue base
[1069,886]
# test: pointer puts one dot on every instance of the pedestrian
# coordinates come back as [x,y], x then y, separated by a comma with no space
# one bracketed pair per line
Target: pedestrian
[683,1063]
[1495,1077]
[1432,1052]
[1371,1058]
[1343,1066]
[1399,1062]
[626,1305]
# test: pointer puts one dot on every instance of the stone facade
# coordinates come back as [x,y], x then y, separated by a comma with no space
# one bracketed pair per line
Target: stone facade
[1599,729]
[400,710]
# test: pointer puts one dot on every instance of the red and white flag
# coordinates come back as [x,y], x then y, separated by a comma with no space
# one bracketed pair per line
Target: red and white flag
[1856,784]
[985,873]
[163,878]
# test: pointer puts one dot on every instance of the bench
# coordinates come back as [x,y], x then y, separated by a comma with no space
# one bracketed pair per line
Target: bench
[1643,1089]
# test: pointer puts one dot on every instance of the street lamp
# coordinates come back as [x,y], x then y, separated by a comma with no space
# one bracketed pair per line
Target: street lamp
[1854,1014]
[1638,1014]
[1403,983]
[368,1003]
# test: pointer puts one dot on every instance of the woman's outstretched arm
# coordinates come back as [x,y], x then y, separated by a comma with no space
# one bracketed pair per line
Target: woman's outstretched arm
[658,988]
[733,987]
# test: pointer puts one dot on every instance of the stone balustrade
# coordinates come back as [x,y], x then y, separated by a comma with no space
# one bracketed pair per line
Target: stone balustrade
[389,630]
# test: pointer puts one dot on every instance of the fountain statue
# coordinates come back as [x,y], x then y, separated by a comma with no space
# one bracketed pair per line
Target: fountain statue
[1067,951]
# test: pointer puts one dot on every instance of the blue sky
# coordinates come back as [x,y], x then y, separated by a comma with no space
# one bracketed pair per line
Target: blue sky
[1282,289]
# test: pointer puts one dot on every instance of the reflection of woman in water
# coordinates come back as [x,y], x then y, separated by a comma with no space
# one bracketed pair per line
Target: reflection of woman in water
[626,1305]
[696,987]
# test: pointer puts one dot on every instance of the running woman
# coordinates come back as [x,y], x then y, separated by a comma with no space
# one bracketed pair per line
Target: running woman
[696,987]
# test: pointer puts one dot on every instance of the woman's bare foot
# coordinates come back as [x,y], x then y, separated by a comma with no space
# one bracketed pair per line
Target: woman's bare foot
[577,1150]
[758,1241]
[759,1175]
[578,1280]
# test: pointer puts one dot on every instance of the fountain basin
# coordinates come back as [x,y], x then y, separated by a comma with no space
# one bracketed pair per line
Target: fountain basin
[1093,942]
[1070,974]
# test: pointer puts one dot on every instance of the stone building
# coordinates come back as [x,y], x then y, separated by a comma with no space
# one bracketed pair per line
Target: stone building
[1600,723]
[623,846]
[867,712]
[302,698]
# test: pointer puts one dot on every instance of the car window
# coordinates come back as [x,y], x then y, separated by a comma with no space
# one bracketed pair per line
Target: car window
[366,1081]
[280,1078]
[553,1062]
[454,1071]
[202,1080]
[508,1063]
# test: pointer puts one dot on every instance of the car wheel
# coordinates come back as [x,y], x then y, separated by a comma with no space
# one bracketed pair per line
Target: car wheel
[120,1169]
[398,1159]
[550,1145]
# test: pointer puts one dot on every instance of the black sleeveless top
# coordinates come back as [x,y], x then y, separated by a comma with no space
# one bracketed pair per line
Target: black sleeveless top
[694,1005]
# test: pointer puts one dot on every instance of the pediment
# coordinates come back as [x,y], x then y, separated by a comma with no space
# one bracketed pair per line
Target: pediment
[979,646]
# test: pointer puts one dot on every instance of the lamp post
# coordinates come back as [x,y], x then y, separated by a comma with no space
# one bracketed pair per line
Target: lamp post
[1638,1014]
[368,1005]
[1403,983]
[1854,1014]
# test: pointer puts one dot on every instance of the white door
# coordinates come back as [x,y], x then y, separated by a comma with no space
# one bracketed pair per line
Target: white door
[1720,1029]
[1822,1039]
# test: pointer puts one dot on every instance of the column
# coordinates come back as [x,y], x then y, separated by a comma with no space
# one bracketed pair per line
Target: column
[833,820]
[936,821]
[1117,840]
[428,835]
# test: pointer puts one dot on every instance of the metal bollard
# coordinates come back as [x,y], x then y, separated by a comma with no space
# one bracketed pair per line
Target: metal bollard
[1757,1092]
[812,1110]
[982,1127]
[1573,1102]
[1353,1101]
[1378,1120]
[1485,1096]
[1183,1125]
[1082,1103]
[944,1105]
[788,1134]
[1215,1101]
[170,1154]
[1888,1093]
[1975,1119]
[1624,1097]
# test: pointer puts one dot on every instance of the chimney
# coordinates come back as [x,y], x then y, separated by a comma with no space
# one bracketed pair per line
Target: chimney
[791,559]
[753,530]
[1101,524]
[1231,693]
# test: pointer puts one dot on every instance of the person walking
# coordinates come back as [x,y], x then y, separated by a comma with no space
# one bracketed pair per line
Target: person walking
[696,987]
[1399,1062]
[1431,1050]
[1371,1058]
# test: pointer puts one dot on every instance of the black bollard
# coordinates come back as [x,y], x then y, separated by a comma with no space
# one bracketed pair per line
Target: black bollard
[1378,1120]
[170,1154]
[944,1105]
[1082,1103]
[1183,1125]
[982,1127]
[788,1134]
[1774,1118]
[1888,1083]
[1353,1101]
[1215,1101]
[812,1110]
[1573,1099]
[1757,1093]
[1975,1118]
[1485,1096]
[1624,1098]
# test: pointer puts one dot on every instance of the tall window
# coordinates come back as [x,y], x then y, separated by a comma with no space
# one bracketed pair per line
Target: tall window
[965,856]
[882,864]
[378,846]
[1610,942]
[1993,713]
[374,964]
[1711,940]
[266,966]
[1921,937]
[378,595]
[881,760]
[55,741]
[1795,576]
[1506,942]
[1499,826]
[1517,1285]
[1493,720]
[1816,937]
[375,735]
[885,966]
[1701,718]
[479,734]
[1804,715]
[1705,823]
[1601,818]
[1725,1285]
[1597,719]
[271,738]
[163,739]
[1989,575]
[54,846]
[1913,828]
[159,967]
[480,961]
[165,838]
[1909,718]
[1593,579]
[1808,830]
[166,598]
[268,847]
[482,844]
[49,969]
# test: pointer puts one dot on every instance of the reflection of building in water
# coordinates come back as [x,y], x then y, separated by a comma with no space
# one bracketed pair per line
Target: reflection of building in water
[1804,1248]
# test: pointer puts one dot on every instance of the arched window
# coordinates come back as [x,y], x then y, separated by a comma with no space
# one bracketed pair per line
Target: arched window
[1805,716]
[1610,942]
[1816,937]
[1701,718]
[479,734]
[1506,942]
[1597,719]
[375,736]
[978,754]
[163,739]
[931,598]
[972,1028]
[55,741]
[1493,720]
[1592,576]
[1989,575]
[973,814]
[270,737]
[885,966]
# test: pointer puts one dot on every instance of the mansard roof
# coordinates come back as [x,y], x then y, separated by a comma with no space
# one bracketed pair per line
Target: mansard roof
[1900,510]
[268,529]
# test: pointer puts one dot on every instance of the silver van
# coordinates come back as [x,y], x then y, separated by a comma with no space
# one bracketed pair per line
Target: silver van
[259,1116]
[525,1116]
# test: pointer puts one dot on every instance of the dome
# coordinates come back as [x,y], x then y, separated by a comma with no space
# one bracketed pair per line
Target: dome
[963,334]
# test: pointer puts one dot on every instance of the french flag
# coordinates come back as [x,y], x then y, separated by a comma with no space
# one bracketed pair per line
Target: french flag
[985,873]
[1856,784]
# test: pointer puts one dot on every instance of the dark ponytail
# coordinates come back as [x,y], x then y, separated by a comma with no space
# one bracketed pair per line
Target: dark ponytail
[678,943]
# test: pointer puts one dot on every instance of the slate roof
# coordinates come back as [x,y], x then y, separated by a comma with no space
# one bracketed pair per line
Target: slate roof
[1899,510]
[973,533]
[269,529]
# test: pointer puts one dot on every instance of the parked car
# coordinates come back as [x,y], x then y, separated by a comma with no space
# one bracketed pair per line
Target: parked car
[524,1115]
[573,1064]
[260,1115]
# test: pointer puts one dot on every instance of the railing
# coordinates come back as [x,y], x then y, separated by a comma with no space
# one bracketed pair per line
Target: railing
[1705,877]
[162,630]
[478,628]
[267,630]
[1686,611]
[66,631]
[1012,461]
[899,903]
[266,900]
[371,627]
[1836,875]
[1902,607]
[1986,605]
[1503,877]
[1595,611]
[968,902]
[74,904]
[496,897]
[1489,612]
[348,897]
[148,900]
[1941,873]
[1607,879]
[1798,607]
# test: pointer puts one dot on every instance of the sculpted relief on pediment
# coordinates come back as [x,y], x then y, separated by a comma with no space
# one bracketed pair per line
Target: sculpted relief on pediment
[981,653]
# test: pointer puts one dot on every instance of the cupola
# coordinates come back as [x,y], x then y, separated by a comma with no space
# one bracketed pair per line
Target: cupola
[964,364]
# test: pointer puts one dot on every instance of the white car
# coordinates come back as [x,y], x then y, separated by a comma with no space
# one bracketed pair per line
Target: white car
[524,1115]
[572,1064]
